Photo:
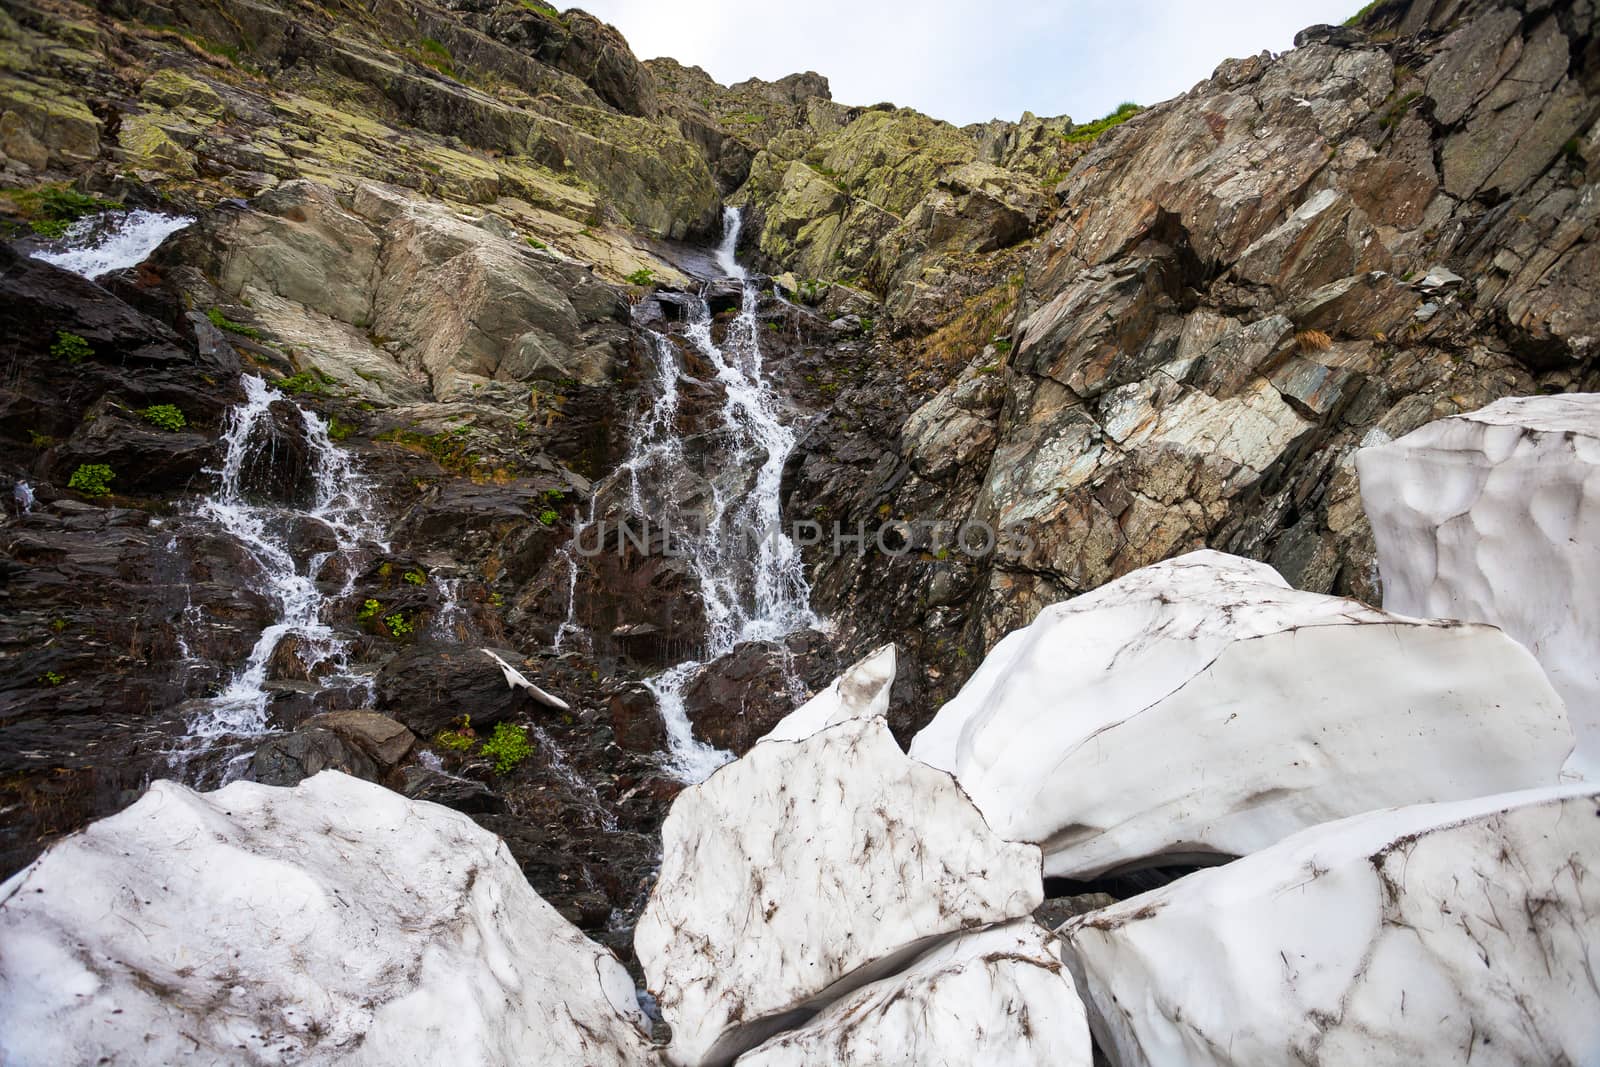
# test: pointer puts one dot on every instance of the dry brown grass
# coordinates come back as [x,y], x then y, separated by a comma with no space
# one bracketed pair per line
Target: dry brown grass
[1313,341]
[955,343]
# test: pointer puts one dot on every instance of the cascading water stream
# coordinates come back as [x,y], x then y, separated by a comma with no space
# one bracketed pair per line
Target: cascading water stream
[747,570]
[339,502]
[112,241]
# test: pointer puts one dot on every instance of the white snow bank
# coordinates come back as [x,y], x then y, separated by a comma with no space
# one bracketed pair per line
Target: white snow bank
[806,869]
[335,922]
[1201,706]
[1494,516]
[1441,933]
[862,692]
[996,996]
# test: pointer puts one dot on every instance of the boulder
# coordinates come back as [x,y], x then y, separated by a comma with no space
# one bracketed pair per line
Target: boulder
[735,699]
[332,922]
[1494,516]
[421,782]
[379,737]
[1200,708]
[862,692]
[1460,933]
[429,687]
[805,870]
[999,995]
[293,757]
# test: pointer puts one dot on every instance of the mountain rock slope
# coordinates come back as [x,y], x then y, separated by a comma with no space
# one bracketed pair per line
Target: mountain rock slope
[401,305]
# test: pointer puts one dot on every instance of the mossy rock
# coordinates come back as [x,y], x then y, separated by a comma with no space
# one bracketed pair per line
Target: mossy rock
[66,128]
[146,145]
[174,89]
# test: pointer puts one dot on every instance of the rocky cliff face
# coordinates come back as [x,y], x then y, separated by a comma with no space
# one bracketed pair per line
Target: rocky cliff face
[1392,223]
[456,233]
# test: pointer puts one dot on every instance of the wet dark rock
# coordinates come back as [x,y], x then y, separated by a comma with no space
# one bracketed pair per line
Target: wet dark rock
[636,720]
[734,700]
[145,458]
[1057,910]
[430,688]
[462,794]
[725,294]
[288,759]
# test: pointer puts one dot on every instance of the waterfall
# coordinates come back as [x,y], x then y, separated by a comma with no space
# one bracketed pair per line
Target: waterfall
[339,502]
[747,570]
[112,241]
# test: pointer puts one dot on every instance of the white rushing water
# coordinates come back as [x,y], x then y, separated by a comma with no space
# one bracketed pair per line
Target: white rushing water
[115,240]
[747,570]
[339,503]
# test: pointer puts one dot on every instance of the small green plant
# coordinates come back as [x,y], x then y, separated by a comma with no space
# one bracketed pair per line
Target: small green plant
[70,347]
[1398,109]
[496,600]
[399,626]
[369,610]
[51,678]
[507,746]
[307,382]
[164,416]
[1090,131]
[642,276]
[534,242]
[338,429]
[58,625]
[92,479]
[222,322]
[415,577]
[549,516]
[40,440]
[452,740]
[458,740]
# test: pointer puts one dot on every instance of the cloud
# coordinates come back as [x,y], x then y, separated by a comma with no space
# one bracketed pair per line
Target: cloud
[969,62]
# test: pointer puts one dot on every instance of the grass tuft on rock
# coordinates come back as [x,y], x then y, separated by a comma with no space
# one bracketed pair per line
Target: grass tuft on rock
[1090,131]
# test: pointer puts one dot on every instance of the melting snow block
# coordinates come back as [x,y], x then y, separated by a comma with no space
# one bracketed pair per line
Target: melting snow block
[1201,707]
[996,996]
[805,870]
[332,922]
[1494,516]
[862,692]
[1441,933]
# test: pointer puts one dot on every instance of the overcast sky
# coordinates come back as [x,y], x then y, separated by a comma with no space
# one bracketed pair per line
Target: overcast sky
[970,61]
